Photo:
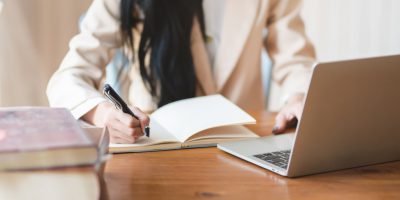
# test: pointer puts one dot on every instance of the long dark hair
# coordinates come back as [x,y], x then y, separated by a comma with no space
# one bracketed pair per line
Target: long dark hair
[165,38]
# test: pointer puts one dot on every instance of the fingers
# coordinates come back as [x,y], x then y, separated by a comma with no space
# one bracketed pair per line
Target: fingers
[117,140]
[143,118]
[119,133]
[281,122]
[124,128]
[121,138]
[288,116]
[126,124]
[127,119]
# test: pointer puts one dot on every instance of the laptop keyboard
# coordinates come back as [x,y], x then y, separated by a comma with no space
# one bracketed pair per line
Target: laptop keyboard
[278,158]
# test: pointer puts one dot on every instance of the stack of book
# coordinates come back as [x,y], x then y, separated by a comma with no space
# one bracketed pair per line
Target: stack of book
[45,154]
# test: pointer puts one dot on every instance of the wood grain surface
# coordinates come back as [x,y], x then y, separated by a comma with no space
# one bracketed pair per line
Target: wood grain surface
[208,173]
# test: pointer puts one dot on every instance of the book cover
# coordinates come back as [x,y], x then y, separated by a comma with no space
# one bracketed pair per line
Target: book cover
[33,137]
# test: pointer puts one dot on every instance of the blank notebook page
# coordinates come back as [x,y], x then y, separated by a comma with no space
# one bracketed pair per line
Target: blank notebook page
[187,117]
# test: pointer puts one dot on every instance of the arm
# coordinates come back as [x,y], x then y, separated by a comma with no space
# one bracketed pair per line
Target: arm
[292,55]
[76,84]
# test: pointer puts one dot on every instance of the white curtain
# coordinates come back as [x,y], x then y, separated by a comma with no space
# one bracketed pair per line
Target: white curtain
[344,29]
[347,29]
[1,5]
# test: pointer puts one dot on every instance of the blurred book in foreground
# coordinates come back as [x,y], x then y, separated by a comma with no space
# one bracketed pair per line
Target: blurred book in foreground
[38,137]
[64,183]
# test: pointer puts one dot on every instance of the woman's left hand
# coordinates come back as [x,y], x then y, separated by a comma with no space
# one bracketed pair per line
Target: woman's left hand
[289,114]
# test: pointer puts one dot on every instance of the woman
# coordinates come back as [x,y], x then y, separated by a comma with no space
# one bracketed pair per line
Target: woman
[180,49]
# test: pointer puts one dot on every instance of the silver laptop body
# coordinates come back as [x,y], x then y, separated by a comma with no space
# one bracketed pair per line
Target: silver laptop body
[351,118]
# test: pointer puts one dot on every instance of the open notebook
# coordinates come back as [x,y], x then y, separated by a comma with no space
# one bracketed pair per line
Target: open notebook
[195,122]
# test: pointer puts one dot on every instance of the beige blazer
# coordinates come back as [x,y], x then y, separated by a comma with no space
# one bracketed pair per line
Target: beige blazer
[235,72]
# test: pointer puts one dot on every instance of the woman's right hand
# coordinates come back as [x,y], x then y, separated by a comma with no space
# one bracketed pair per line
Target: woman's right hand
[123,127]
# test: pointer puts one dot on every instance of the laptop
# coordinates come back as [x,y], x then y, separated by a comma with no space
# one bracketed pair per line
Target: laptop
[351,118]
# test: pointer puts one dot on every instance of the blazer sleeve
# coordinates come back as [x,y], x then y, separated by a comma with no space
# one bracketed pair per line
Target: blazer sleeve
[75,85]
[291,52]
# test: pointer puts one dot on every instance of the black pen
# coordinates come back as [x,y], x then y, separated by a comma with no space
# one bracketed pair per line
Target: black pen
[110,93]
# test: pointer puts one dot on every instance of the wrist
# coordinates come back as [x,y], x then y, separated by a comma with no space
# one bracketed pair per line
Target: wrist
[97,116]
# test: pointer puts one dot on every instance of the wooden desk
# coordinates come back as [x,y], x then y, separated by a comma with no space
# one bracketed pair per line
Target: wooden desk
[209,173]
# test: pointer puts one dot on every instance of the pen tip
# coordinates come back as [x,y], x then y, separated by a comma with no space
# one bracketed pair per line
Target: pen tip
[147,131]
